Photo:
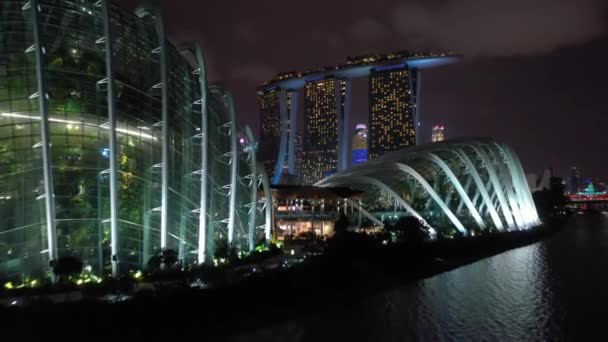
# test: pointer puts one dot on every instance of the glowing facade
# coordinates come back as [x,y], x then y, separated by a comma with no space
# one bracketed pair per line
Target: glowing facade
[359,145]
[461,187]
[391,110]
[323,105]
[112,146]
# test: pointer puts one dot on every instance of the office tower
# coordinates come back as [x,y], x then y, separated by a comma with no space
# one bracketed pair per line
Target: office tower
[270,131]
[391,114]
[324,102]
[438,133]
[359,145]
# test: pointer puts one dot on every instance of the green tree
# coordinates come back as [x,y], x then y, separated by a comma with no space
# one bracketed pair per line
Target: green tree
[341,225]
[410,229]
[67,266]
[165,260]
[169,259]
[221,249]
[549,201]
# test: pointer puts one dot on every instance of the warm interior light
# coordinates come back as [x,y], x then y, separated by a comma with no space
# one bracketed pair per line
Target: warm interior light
[72,122]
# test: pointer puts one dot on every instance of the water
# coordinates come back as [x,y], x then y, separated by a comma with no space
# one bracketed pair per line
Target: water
[554,290]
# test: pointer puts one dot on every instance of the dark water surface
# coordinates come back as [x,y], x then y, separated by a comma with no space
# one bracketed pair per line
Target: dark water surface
[554,290]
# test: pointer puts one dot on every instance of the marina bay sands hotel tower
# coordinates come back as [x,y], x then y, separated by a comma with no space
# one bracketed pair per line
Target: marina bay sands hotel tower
[393,121]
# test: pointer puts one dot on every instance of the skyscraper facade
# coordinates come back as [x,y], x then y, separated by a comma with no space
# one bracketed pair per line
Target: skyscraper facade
[359,145]
[269,102]
[270,130]
[324,101]
[438,133]
[391,116]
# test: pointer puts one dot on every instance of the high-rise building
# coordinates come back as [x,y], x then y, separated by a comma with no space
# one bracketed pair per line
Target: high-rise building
[324,99]
[270,131]
[391,114]
[359,145]
[438,133]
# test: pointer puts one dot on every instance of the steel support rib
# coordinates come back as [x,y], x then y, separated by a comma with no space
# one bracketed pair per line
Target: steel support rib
[233,165]
[164,79]
[364,212]
[160,30]
[531,207]
[417,108]
[429,189]
[254,189]
[202,218]
[516,184]
[142,12]
[114,208]
[480,187]
[522,188]
[475,198]
[463,194]
[293,127]
[268,207]
[278,169]
[505,178]
[496,186]
[331,181]
[49,198]
[466,190]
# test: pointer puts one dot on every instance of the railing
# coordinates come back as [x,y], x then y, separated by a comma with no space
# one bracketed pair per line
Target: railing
[591,197]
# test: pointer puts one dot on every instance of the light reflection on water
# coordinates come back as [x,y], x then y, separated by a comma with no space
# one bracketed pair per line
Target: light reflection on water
[554,290]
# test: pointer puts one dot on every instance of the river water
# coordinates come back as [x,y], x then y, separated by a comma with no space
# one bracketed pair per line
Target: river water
[554,290]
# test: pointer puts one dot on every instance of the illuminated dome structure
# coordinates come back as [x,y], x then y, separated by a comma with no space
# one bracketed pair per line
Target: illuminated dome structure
[455,187]
[112,145]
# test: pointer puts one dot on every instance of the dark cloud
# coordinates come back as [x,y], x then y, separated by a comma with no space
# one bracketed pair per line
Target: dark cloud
[332,40]
[368,28]
[498,27]
[246,32]
[252,73]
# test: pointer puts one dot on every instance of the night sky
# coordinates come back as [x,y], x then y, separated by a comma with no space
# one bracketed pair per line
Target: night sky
[534,74]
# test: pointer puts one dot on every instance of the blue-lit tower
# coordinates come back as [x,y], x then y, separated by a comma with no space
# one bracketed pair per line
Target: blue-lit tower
[359,145]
